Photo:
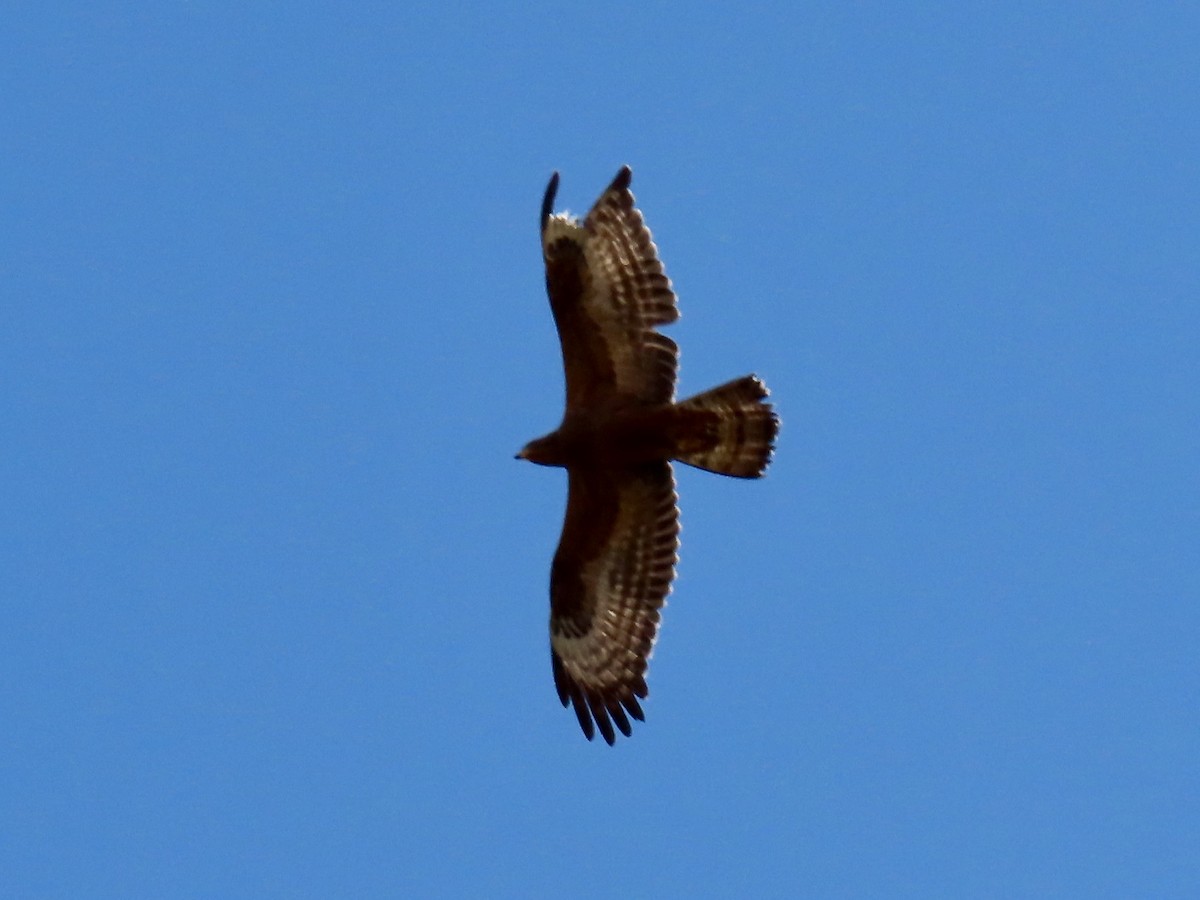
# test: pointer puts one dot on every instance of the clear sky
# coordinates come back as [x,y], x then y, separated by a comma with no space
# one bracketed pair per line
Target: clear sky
[273,325]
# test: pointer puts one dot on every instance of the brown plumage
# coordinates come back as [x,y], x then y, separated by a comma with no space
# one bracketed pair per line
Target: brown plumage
[620,431]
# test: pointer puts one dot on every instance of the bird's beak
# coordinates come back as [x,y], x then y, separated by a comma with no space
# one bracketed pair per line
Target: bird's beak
[520,454]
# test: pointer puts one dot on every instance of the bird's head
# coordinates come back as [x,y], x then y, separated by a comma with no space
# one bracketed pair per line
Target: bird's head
[545,451]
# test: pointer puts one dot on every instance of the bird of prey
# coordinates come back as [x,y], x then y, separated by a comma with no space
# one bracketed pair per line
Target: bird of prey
[619,434]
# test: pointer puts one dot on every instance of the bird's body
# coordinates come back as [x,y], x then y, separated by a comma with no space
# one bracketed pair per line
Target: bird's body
[621,429]
[621,436]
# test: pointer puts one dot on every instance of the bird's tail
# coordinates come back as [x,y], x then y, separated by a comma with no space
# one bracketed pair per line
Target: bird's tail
[729,430]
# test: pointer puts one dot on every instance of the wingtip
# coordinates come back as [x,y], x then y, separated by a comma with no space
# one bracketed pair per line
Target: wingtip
[623,180]
[548,200]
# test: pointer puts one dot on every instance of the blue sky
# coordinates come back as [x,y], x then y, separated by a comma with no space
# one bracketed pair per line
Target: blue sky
[274,325]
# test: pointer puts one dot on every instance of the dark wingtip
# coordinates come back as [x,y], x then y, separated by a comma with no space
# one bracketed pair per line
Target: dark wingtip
[635,708]
[617,714]
[596,706]
[585,719]
[548,200]
[623,180]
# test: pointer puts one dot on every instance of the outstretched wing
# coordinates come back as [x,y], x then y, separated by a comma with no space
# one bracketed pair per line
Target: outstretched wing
[607,291]
[611,576]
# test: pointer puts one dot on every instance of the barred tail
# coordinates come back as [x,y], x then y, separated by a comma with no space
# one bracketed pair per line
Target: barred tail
[729,430]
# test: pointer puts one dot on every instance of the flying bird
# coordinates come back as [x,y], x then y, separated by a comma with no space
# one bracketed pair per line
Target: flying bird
[619,434]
